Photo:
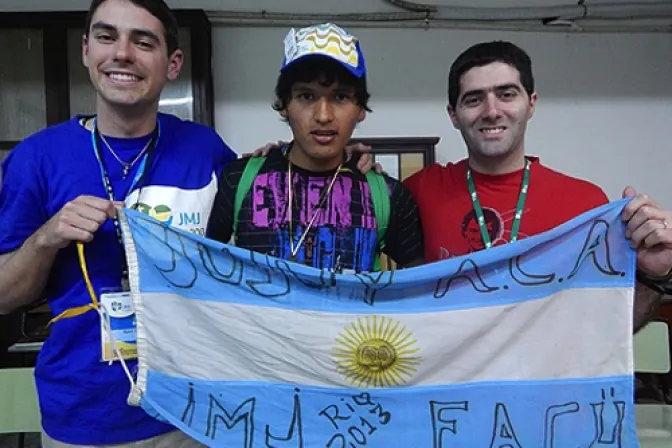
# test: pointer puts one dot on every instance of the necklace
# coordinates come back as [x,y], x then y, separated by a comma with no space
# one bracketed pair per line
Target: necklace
[290,205]
[126,166]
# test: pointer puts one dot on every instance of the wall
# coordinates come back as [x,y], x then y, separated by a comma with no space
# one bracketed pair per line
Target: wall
[604,112]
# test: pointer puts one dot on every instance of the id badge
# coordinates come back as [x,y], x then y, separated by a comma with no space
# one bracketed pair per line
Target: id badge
[117,310]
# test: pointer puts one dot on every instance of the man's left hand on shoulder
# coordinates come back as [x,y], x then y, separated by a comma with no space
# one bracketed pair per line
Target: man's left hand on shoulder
[650,232]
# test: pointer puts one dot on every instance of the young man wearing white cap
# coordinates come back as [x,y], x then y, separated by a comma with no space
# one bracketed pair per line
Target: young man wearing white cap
[308,203]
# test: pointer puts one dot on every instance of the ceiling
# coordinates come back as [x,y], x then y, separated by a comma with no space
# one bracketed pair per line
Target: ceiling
[541,15]
[283,5]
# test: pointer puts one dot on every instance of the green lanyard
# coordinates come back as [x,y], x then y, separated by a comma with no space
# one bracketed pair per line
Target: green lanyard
[519,206]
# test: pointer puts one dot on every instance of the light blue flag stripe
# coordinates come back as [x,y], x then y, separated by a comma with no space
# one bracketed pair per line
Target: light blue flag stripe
[591,252]
[544,414]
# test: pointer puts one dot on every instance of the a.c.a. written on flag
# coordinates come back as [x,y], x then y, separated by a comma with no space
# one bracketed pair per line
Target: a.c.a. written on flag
[524,345]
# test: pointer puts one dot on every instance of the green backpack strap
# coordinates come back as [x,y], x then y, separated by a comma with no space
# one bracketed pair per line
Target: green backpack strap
[244,184]
[381,207]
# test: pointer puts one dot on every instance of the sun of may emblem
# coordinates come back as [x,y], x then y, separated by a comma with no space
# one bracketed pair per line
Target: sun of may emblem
[376,351]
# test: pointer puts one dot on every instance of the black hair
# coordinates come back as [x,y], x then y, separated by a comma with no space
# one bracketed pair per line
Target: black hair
[486,53]
[158,9]
[327,71]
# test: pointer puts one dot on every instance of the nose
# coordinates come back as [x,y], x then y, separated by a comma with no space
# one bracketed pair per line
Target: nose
[491,108]
[324,111]
[124,51]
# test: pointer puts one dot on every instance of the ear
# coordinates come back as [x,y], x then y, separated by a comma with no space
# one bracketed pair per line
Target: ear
[85,50]
[283,113]
[533,105]
[452,115]
[361,116]
[175,62]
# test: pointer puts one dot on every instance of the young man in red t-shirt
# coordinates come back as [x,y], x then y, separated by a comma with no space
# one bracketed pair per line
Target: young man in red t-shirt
[498,194]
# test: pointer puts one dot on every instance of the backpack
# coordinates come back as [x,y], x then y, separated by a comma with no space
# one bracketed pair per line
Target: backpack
[379,196]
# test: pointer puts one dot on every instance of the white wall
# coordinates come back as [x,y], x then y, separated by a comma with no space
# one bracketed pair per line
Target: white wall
[605,109]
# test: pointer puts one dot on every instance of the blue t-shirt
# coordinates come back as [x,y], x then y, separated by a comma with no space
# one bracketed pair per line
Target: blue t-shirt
[83,400]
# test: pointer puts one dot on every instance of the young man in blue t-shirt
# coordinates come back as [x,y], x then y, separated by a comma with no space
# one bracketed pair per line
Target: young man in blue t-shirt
[62,185]
[308,203]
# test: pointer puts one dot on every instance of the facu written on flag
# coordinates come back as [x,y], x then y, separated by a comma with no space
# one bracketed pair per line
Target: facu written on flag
[524,345]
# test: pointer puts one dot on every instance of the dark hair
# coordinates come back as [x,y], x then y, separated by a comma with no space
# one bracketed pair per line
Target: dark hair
[486,53]
[327,71]
[158,9]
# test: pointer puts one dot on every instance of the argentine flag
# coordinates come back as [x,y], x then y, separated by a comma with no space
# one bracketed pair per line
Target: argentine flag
[526,345]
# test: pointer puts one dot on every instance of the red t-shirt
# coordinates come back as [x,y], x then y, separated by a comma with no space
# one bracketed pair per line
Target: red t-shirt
[448,219]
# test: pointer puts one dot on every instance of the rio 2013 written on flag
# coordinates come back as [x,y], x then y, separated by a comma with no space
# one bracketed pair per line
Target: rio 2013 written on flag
[524,345]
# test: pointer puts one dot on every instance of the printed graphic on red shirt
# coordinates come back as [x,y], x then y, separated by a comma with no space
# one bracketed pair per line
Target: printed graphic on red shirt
[471,231]
[497,224]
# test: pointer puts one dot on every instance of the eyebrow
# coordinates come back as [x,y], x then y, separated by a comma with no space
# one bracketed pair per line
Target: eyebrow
[499,88]
[307,87]
[136,31]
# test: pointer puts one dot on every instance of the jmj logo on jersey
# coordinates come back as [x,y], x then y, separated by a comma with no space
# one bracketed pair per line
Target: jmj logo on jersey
[184,209]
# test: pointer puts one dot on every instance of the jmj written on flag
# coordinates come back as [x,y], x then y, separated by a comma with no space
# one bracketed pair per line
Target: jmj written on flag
[524,345]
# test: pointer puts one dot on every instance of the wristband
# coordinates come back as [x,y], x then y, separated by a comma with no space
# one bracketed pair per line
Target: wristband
[661,284]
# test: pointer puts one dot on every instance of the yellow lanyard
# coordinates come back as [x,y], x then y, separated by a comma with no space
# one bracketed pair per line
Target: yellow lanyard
[78,311]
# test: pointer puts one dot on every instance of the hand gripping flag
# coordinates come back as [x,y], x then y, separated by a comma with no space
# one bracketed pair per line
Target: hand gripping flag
[524,345]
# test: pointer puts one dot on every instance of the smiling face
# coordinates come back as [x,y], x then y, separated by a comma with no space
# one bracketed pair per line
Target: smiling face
[322,119]
[126,53]
[492,111]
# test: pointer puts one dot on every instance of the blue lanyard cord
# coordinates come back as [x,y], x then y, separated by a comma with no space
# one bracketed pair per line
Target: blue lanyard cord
[140,176]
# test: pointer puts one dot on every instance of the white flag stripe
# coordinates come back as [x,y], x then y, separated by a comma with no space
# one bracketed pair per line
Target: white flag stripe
[533,340]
